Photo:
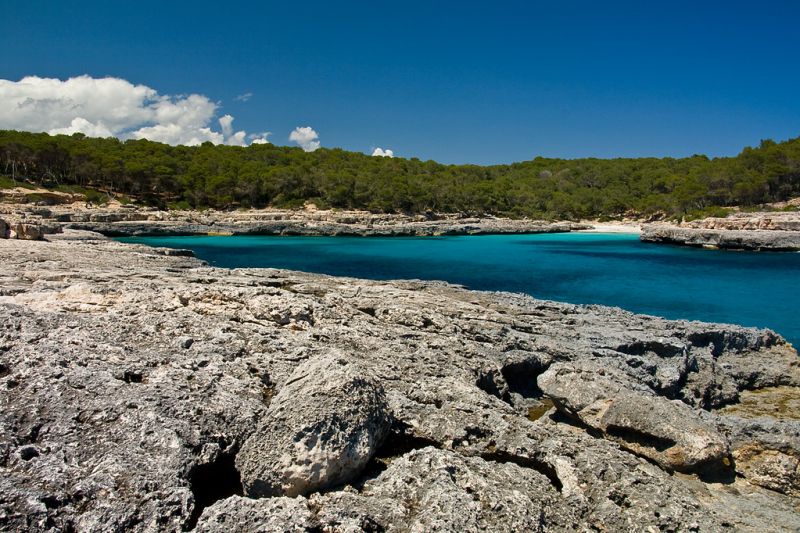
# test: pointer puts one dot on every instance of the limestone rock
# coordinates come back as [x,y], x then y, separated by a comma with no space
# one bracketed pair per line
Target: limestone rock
[29,232]
[32,231]
[136,220]
[766,451]
[765,220]
[425,490]
[668,432]
[320,430]
[112,420]
[756,239]
[245,515]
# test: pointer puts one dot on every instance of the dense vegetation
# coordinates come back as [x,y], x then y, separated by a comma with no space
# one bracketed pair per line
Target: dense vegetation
[262,175]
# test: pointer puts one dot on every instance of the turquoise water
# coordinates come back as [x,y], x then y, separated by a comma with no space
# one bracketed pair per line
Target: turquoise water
[747,288]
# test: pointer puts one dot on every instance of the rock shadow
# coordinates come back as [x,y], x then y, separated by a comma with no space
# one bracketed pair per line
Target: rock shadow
[211,482]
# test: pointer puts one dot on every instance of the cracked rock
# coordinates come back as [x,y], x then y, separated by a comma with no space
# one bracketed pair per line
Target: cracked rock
[667,431]
[320,430]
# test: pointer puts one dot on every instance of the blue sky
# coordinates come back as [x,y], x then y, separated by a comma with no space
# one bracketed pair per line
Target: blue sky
[458,82]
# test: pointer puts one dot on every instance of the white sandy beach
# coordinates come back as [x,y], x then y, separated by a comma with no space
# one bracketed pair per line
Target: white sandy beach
[613,228]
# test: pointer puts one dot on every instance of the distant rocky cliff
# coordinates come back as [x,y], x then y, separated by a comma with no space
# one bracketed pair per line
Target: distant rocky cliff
[146,392]
[121,221]
[775,231]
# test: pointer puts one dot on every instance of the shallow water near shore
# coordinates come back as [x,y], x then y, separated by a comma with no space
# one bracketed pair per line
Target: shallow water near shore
[747,288]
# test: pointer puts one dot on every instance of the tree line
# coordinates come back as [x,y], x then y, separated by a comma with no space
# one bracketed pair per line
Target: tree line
[227,177]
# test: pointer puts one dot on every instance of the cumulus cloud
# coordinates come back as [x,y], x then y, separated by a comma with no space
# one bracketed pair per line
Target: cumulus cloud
[105,107]
[234,139]
[306,137]
[259,138]
[380,152]
[80,124]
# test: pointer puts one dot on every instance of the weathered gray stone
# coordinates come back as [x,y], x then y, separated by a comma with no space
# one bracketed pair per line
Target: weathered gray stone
[666,431]
[320,430]
[109,422]
[28,232]
[130,220]
[758,220]
[766,451]
[776,240]
[31,231]
[270,515]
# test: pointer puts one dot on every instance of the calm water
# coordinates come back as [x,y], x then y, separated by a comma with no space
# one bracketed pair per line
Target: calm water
[748,288]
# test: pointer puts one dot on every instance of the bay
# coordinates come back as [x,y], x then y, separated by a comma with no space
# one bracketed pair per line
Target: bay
[748,288]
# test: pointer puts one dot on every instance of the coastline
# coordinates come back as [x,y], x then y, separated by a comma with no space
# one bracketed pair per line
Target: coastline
[112,347]
[745,231]
[119,221]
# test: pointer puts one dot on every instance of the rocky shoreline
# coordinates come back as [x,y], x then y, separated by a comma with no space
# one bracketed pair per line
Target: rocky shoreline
[765,231]
[145,391]
[727,239]
[760,231]
[135,221]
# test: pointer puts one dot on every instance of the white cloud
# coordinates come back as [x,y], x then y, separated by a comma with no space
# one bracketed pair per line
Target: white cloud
[105,107]
[259,138]
[244,97]
[174,134]
[380,152]
[226,123]
[234,139]
[82,125]
[306,137]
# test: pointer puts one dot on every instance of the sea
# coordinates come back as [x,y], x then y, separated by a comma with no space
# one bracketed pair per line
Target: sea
[760,289]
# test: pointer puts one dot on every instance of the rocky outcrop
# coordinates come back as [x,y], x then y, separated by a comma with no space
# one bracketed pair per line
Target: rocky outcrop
[138,221]
[774,240]
[775,230]
[667,432]
[146,392]
[768,220]
[766,462]
[319,431]
[31,232]
[766,450]
[27,231]
[33,195]
[25,228]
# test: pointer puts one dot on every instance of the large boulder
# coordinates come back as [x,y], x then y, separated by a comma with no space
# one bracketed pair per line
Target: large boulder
[320,430]
[668,432]
[29,231]
[3,229]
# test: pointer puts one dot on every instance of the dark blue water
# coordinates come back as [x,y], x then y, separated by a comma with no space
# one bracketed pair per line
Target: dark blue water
[748,288]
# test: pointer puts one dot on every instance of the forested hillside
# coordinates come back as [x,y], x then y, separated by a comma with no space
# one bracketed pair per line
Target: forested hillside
[264,174]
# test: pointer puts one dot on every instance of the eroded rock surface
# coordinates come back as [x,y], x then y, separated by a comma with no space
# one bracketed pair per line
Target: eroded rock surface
[134,387]
[319,431]
[764,220]
[667,431]
[132,220]
[766,451]
[734,239]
